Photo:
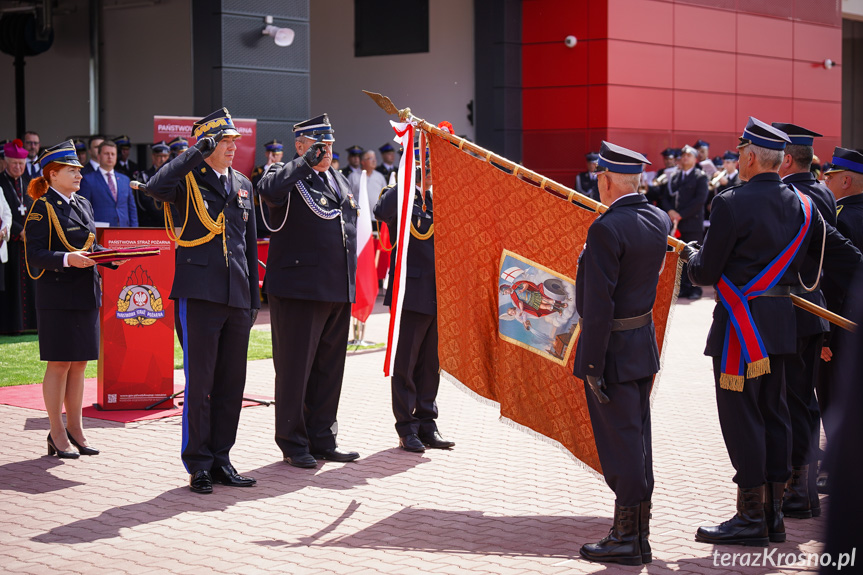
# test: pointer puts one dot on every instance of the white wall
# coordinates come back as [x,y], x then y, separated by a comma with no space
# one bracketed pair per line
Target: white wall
[146,70]
[852,9]
[436,85]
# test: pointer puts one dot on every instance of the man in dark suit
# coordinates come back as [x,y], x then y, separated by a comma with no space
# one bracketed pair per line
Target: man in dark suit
[124,165]
[310,285]
[585,182]
[801,498]
[32,144]
[150,214]
[617,355]
[18,299]
[217,295]
[109,191]
[750,226]
[416,377]
[685,206]
[92,165]
[388,161]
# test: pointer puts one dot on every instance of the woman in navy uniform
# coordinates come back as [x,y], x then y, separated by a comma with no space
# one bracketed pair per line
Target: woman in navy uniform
[416,377]
[617,355]
[60,232]
[310,285]
[217,294]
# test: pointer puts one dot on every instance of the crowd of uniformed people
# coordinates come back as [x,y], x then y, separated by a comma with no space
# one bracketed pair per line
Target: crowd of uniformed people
[773,222]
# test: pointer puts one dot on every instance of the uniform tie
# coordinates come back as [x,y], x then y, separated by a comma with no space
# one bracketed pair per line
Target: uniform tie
[224,180]
[111,185]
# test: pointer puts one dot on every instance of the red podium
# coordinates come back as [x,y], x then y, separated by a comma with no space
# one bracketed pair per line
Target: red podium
[136,347]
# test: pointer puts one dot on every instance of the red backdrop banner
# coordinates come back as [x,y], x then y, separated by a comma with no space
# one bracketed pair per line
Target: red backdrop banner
[497,236]
[136,349]
[169,127]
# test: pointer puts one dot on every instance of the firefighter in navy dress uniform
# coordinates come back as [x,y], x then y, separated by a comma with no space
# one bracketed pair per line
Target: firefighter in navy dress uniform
[617,355]
[150,214]
[585,182]
[310,285]
[216,293]
[801,498]
[750,227]
[416,377]
[273,151]
[60,231]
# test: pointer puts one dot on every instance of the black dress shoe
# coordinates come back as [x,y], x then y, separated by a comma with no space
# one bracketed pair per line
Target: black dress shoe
[227,475]
[435,441]
[303,460]
[52,449]
[695,293]
[411,443]
[336,454]
[201,482]
[81,449]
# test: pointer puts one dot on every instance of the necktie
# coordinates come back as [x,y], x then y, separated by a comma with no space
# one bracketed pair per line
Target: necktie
[224,180]
[111,185]
[329,184]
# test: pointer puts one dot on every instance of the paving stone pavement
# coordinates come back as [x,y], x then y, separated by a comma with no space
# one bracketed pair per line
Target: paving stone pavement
[500,502]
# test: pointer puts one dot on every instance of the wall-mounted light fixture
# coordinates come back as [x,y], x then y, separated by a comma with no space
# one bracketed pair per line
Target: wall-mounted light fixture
[570,41]
[828,63]
[281,36]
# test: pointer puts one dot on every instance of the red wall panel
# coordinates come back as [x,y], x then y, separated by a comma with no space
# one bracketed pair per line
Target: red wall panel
[763,36]
[648,74]
[630,17]
[759,76]
[639,108]
[554,20]
[817,43]
[814,82]
[703,28]
[637,64]
[703,111]
[704,70]
[554,108]
[554,65]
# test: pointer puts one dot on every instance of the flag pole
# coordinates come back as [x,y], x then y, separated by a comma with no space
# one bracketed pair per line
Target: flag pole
[571,195]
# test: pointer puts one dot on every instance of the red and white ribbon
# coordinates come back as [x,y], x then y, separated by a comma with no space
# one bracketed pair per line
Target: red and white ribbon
[406,184]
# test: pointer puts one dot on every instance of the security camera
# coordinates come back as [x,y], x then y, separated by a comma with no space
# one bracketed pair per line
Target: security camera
[570,41]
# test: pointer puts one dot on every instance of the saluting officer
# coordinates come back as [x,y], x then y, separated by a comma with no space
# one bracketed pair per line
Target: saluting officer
[750,227]
[416,377]
[150,213]
[616,354]
[801,497]
[310,284]
[216,293]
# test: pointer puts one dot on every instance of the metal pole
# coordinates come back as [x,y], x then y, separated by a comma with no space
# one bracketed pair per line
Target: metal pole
[20,101]
[95,63]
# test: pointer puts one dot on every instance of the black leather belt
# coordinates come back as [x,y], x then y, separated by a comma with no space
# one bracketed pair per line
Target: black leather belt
[629,323]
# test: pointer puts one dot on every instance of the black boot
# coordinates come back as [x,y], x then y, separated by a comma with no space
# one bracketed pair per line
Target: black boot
[622,544]
[747,527]
[773,512]
[796,503]
[644,532]
[814,500]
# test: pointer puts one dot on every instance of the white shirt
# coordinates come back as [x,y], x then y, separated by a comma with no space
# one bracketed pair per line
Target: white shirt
[94,164]
[624,196]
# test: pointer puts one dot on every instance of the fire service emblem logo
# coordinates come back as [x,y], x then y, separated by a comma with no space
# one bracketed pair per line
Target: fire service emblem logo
[140,303]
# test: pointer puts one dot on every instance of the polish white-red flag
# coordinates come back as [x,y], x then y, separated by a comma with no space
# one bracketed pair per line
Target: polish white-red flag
[406,182]
[367,274]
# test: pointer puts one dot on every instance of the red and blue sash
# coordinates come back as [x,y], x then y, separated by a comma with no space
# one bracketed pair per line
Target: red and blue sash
[743,343]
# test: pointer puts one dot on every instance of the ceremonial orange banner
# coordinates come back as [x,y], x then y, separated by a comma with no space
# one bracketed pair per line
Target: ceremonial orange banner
[506,259]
